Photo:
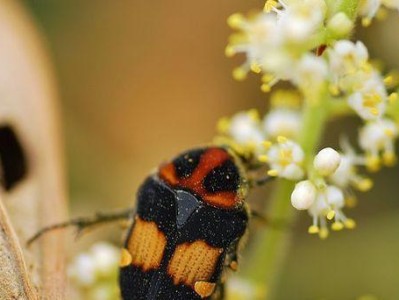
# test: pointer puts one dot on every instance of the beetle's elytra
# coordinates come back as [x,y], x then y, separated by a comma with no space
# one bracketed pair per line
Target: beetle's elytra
[189,220]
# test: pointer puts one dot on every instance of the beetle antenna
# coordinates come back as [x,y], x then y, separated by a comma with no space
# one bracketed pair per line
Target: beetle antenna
[259,216]
[82,223]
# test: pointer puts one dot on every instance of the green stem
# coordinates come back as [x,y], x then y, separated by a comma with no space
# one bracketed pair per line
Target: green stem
[349,7]
[268,251]
[393,109]
[314,118]
[272,243]
[340,108]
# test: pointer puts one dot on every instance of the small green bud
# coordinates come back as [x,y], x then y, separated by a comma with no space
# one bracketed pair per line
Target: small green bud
[340,25]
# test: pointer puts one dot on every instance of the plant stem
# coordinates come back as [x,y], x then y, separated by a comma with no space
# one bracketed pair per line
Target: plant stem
[271,244]
[349,7]
[268,251]
[340,108]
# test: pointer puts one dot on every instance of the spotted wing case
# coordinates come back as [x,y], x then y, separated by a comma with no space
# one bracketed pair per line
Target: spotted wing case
[190,218]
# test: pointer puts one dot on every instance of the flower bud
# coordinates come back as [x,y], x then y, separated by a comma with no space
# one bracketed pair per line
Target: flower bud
[327,161]
[340,25]
[304,195]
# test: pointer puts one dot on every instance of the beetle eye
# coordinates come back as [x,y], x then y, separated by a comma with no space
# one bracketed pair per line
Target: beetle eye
[225,178]
[12,158]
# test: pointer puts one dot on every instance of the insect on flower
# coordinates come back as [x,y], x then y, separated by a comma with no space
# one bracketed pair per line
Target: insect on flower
[189,219]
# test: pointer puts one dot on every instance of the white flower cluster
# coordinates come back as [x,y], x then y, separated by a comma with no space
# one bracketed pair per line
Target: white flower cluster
[328,187]
[323,188]
[303,42]
[94,273]
[277,42]
[247,131]
[366,93]
[321,197]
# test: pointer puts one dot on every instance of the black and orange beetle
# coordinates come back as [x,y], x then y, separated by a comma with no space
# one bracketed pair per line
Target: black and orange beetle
[189,220]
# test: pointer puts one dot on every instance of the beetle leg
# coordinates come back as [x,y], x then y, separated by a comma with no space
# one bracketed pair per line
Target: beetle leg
[255,182]
[260,217]
[231,260]
[264,220]
[220,293]
[82,223]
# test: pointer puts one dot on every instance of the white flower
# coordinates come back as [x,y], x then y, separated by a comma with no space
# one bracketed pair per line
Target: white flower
[325,198]
[335,197]
[343,175]
[285,159]
[105,258]
[347,174]
[353,75]
[83,270]
[94,274]
[276,39]
[244,128]
[368,8]
[379,137]
[328,206]
[304,195]
[257,36]
[327,161]
[261,33]
[310,72]
[347,57]
[282,122]
[278,62]
[370,99]
[301,19]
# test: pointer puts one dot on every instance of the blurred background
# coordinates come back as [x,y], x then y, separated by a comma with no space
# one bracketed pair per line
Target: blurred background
[140,81]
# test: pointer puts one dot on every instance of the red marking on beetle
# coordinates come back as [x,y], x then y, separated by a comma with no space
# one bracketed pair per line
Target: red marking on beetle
[211,159]
[168,174]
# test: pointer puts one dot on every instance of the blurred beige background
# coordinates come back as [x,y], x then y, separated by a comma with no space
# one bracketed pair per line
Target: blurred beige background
[143,80]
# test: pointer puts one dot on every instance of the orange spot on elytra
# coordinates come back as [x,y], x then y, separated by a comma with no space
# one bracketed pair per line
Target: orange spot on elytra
[146,245]
[193,262]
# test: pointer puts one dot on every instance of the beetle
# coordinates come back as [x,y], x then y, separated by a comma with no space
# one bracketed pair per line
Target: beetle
[187,226]
[189,220]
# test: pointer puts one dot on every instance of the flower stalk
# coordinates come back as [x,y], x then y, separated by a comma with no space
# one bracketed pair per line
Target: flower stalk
[271,244]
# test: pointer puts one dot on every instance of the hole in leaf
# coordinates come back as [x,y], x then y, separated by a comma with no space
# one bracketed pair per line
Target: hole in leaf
[12,158]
